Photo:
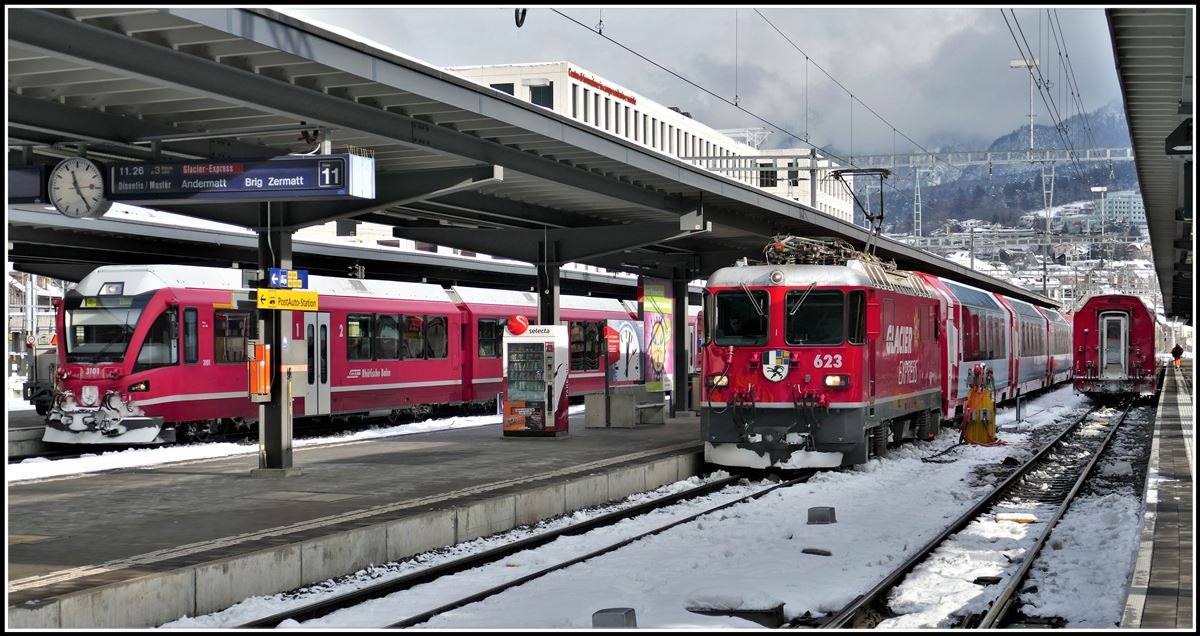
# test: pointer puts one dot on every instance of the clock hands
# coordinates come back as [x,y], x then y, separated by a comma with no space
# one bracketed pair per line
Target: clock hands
[75,183]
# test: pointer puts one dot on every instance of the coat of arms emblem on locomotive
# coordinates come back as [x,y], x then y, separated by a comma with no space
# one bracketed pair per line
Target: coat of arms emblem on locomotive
[775,364]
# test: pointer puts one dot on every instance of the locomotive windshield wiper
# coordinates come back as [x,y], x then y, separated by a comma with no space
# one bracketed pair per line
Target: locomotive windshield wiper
[801,301]
[752,301]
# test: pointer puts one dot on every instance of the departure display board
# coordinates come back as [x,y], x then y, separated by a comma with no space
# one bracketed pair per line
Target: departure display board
[281,178]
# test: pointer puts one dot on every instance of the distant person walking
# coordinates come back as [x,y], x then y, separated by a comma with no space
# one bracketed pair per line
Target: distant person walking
[1177,352]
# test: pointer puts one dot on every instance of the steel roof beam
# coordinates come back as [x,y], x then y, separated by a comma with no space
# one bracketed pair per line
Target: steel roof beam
[93,126]
[574,244]
[63,36]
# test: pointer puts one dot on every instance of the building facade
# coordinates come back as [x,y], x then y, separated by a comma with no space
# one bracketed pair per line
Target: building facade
[574,92]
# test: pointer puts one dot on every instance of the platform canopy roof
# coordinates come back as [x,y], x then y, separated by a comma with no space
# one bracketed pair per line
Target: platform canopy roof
[1153,51]
[457,163]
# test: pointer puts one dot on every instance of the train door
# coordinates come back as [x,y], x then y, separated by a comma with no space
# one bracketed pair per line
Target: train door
[316,343]
[1114,329]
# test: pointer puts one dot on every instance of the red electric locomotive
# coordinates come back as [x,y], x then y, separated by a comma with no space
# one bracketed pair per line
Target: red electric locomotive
[1115,339]
[817,365]
[156,353]
[825,355]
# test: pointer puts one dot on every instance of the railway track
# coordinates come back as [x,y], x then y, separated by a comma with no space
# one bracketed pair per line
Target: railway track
[1050,480]
[328,606]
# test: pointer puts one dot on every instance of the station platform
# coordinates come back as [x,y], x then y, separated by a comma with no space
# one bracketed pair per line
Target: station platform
[25,430]
[1160,591]
[140,547]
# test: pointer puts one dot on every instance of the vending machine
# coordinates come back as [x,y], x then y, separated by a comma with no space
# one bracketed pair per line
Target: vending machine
[535,379]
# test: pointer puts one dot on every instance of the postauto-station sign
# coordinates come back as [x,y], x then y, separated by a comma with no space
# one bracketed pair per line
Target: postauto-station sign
[281,178]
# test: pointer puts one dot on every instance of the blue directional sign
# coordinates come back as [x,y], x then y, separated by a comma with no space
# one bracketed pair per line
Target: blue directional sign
[282,178]
[287,278]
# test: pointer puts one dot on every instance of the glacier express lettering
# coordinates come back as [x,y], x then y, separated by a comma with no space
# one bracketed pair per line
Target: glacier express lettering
[899,340]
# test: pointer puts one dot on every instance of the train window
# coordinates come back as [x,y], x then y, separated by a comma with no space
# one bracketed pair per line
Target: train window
[707,302]
[191,336]
[230,331]
[161,346]
[413,329]
[437,337]
[324,354]
[857,317]
[100,330]
[814,317]
[586,345]
[311,347]
[358,337]
[970,336]
[387,337]
[490,334]
[741,318]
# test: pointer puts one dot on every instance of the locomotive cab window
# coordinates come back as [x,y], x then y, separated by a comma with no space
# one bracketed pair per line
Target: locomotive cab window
[161,346]
[99,329]
[741,318]
[814,317]
[191,337]
[857,317]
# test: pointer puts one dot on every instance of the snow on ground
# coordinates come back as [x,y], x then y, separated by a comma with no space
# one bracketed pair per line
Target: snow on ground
[16,389]
[42,468]
[747,556]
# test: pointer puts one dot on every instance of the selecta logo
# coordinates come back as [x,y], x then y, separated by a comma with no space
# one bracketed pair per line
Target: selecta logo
[517,324]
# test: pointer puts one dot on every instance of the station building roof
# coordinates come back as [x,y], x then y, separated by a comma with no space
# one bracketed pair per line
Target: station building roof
[457,164]
[1152,47]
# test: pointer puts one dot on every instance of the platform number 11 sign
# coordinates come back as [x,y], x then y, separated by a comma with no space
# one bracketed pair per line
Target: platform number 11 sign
[331,173]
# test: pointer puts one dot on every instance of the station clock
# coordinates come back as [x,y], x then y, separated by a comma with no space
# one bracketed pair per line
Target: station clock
[76,188]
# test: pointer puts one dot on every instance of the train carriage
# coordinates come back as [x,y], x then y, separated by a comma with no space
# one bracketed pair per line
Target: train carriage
[1030,363]
[1115,339]
[584,317]
[1059,333]
[157,353]
[978,333]
[813,365]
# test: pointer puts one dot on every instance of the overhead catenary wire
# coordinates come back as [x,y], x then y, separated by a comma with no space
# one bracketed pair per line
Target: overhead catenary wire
[1048,100]
[828,154]
[807,60]
[782,129]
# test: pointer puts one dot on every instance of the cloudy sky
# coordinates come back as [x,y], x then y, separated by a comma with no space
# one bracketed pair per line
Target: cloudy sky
[934,74]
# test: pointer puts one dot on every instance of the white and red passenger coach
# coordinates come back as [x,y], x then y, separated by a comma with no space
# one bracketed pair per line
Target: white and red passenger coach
[156,353]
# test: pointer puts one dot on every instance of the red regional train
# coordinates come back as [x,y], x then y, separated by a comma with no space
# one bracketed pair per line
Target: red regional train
[1117,341]
[156,353]
[824,356]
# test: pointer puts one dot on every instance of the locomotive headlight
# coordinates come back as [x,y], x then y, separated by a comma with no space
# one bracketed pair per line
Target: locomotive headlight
[839,381]
[718,380]
[776,277]
[144,385]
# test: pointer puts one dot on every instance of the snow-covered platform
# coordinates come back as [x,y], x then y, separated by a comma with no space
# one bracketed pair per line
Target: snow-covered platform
[1161,592]
[139,547]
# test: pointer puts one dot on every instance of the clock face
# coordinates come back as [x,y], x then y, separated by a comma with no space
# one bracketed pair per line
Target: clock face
[77,188]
